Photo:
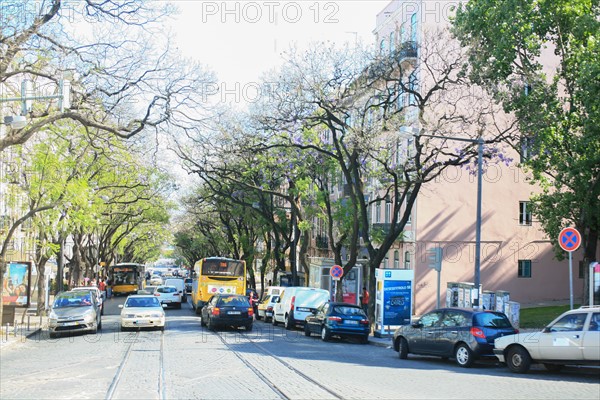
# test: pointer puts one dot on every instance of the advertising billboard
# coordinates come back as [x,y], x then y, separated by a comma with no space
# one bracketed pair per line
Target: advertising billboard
[17,281]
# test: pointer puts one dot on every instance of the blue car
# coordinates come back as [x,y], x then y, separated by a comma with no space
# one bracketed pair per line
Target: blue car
[459,333]
[338,319]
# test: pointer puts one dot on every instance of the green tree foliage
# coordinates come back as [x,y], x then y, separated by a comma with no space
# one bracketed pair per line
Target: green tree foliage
[542,60]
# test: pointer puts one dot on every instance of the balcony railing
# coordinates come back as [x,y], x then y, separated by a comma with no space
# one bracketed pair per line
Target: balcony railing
[322,242]
[407,50]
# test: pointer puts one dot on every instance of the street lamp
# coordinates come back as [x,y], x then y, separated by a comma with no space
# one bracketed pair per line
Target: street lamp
[479,141]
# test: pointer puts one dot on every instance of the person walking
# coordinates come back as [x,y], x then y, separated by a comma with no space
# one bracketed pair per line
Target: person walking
[102,287]
[108,288]
[364,300]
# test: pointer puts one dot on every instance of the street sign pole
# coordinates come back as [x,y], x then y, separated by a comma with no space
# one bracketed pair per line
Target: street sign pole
[571,279]
[569,239]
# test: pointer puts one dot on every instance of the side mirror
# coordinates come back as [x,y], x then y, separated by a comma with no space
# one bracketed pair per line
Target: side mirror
[120,305]
[417,324]
[314,312]
[546,329]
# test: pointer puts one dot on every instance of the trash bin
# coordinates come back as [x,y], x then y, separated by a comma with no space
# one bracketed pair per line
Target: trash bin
[8,315]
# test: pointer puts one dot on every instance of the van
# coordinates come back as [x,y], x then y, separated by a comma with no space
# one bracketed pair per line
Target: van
[179,283]
[296,303]
[272,291]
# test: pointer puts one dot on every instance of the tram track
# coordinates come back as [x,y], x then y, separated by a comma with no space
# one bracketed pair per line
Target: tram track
[278,387]
[116,381]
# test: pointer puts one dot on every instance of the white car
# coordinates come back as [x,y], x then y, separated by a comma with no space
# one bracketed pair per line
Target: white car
[156,280]
[571,339]
[168,295]
[142,311]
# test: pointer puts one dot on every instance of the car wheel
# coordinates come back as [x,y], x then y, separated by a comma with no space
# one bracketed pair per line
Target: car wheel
[273,321]
[463,355]
[210,324]
[123,329]
[289,324]
[402,348]
[202,322]
[364,339]
[306,330]
[52,335]
[100,325]
[553,367]
[162,328]
[325,334]
[249,328]
[518,360]
[258,317]
[198,310]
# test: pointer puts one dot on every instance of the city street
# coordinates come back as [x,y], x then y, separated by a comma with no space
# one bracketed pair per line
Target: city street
[188,361]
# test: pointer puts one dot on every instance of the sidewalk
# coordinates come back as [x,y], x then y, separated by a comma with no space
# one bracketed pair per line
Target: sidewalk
[11,335]
[385,341]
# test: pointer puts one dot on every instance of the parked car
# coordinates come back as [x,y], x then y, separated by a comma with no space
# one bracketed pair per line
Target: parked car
[74,311]
[180,285]
[265,307]
[148,289]
[142,311]
[338,319]
[296,303]
[463,334]
[227,310]
[97,292]
[168,295]
[571,339]
[188,285]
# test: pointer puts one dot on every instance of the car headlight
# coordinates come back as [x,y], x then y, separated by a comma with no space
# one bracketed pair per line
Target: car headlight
[128,315]
[156,315]
[52,317]
[88,315]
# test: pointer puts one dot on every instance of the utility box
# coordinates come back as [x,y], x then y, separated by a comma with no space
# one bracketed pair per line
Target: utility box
[393,299]
[488,300]
[512,309]
[502,297]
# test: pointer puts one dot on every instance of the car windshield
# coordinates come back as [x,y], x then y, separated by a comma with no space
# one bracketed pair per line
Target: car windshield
[142,302]
[234,301]
[166,289]
[348,310]
[73,299]
[491,320]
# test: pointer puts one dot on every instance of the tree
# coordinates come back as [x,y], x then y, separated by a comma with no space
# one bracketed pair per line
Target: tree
[350,108]
[542,60]
[125,78]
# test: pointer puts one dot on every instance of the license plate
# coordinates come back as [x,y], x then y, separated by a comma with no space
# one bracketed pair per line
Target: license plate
[234,312]
[70,323]
[304,309]
[350,322]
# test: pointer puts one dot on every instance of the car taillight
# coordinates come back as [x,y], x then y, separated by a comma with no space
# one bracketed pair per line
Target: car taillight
[335,319]
[157,294]
[364,322]
[293,301]
[250,312]
[216,311]
[477,332]
[516,330]
[269,308]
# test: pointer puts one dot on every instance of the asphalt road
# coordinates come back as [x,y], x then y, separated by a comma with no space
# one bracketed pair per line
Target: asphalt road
[188,361]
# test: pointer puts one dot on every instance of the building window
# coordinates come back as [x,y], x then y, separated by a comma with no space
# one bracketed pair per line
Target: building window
[527,150]
[524,213]
[412,88]
[407,260]
[396,259]
[392,42]
[413,27]
[382,46]
[388,211]
[386,263]
[378,212]
[524,269]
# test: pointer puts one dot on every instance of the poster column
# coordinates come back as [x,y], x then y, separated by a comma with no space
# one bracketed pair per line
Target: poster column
[393,300]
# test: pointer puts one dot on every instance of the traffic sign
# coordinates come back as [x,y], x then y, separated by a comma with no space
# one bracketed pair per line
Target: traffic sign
[569,239]
[336,272]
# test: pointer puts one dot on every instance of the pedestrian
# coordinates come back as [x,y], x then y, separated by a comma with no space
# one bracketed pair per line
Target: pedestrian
[102,287]
[364,300]
[108,288]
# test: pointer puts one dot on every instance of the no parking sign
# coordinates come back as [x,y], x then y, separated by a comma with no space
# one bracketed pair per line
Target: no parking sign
[569,239]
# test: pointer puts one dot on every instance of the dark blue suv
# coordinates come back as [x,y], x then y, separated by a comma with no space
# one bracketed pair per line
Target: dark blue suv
[463,334]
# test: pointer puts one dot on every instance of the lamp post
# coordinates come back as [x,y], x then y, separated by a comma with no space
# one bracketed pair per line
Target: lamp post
[479,141]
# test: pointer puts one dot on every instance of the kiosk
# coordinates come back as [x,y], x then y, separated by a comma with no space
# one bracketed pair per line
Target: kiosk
[393,300]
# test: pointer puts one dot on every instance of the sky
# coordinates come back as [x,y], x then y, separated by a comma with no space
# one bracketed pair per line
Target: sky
[240,40]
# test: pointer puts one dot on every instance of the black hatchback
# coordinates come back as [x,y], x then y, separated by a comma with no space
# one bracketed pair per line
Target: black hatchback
[227,310]
[463,334]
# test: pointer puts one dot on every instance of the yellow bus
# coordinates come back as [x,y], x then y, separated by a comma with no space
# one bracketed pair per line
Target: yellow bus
[217,275]
[125,277]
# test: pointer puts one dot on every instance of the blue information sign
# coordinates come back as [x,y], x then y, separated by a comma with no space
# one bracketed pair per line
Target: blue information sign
[396,302]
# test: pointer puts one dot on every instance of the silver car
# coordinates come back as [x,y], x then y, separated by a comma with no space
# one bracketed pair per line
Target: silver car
[74,311]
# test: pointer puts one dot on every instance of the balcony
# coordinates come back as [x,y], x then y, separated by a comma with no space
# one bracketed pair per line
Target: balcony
[322,242]
[407,52]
